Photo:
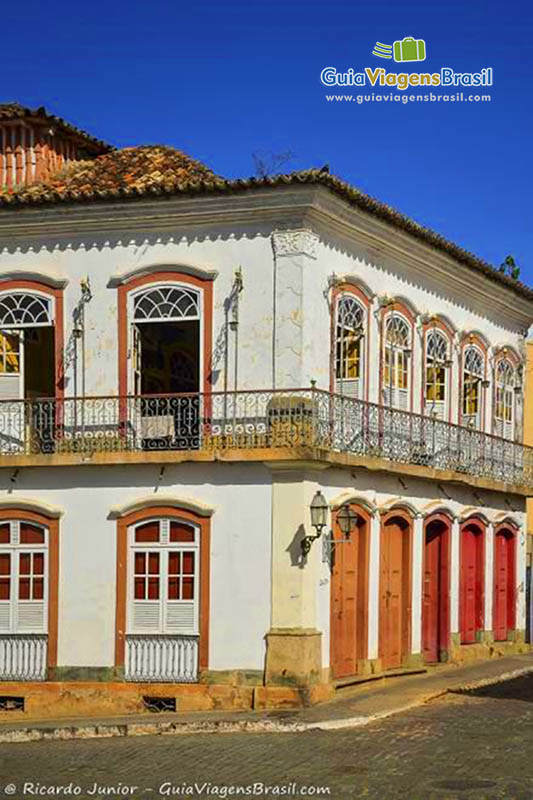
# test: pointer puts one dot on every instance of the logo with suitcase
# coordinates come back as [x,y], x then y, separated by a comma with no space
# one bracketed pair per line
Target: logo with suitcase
[406,49]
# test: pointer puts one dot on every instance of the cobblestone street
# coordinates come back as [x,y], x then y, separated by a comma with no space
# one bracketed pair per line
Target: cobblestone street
[477,745]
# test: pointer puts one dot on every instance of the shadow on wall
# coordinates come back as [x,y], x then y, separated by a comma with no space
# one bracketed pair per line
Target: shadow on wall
[295,549]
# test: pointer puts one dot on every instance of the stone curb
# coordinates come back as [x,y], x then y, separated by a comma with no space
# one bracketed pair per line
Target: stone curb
[110,730]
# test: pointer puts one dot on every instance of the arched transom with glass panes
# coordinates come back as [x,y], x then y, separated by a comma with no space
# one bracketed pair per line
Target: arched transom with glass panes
[397,352]
[472,386]
[27,357]
[436,374]
[349,350]
[163,600]
[165,339]
[23,599]
[504,405]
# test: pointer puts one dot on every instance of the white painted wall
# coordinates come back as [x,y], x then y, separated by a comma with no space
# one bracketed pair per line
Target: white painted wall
[302,314]
[240,552]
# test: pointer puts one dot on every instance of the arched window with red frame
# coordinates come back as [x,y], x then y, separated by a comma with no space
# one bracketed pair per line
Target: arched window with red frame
[28,594]
[349,345]
[473,384]
[505,383]
[436,379]
[397,347]
[162,594]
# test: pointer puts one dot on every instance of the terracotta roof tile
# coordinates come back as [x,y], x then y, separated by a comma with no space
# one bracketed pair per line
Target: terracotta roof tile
[11,111]
[158,170]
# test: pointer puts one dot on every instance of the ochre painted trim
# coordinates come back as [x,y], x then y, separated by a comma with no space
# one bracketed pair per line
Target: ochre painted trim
[15,512]
[158,510]
[438,508]
[353,499]
[206,322]
[59,331]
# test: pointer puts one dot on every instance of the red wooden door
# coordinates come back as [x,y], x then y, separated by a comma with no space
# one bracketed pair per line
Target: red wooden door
[471,583]
[435,591]
[349,605]
[504,600]
[393,592]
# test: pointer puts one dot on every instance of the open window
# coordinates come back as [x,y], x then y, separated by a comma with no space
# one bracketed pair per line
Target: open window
[27,368]
[166,364]
[349,350]
[504,407]
[397,353]
[436,392]
[473,380]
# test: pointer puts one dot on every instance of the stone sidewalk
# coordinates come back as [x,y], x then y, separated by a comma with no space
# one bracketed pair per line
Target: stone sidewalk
[354,707]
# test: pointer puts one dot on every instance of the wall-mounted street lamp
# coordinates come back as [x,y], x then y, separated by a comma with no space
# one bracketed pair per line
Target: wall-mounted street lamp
[319,515]
[347,521]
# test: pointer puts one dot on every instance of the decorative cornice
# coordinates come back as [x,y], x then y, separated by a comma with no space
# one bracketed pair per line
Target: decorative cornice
[140,271]
[37,277]
[353,498]
[26,504]
[298,242]
[154,500]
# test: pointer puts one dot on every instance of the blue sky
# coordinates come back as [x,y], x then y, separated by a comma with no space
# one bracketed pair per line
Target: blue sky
[222,80]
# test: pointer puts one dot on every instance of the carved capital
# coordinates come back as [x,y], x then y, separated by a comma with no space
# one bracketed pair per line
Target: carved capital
[295,243]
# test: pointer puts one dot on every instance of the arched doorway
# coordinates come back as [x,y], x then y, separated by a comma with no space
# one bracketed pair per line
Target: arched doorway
[349,596]
[504,582]
[471,594]
[435,588]
[395,589]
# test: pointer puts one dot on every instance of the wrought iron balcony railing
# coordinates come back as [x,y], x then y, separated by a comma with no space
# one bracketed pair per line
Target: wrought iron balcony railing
[254,420]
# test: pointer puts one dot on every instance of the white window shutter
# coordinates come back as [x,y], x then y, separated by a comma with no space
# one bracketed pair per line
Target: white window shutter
[146,616]
[349,387]
[5,616]
[30,616]
[402,399]
[180,617]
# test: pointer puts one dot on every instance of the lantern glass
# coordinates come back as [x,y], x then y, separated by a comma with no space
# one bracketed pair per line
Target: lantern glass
[319,510]
[347,520]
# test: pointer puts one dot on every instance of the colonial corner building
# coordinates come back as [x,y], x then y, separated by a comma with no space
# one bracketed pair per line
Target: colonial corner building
[258,438]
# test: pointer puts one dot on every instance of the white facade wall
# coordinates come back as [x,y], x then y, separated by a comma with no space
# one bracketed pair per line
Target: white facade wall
[295,314]
[240,552]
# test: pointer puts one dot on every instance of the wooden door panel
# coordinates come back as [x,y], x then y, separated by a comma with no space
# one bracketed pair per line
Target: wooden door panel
[393,594]
[431,597]
[471,588]
[348,603]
